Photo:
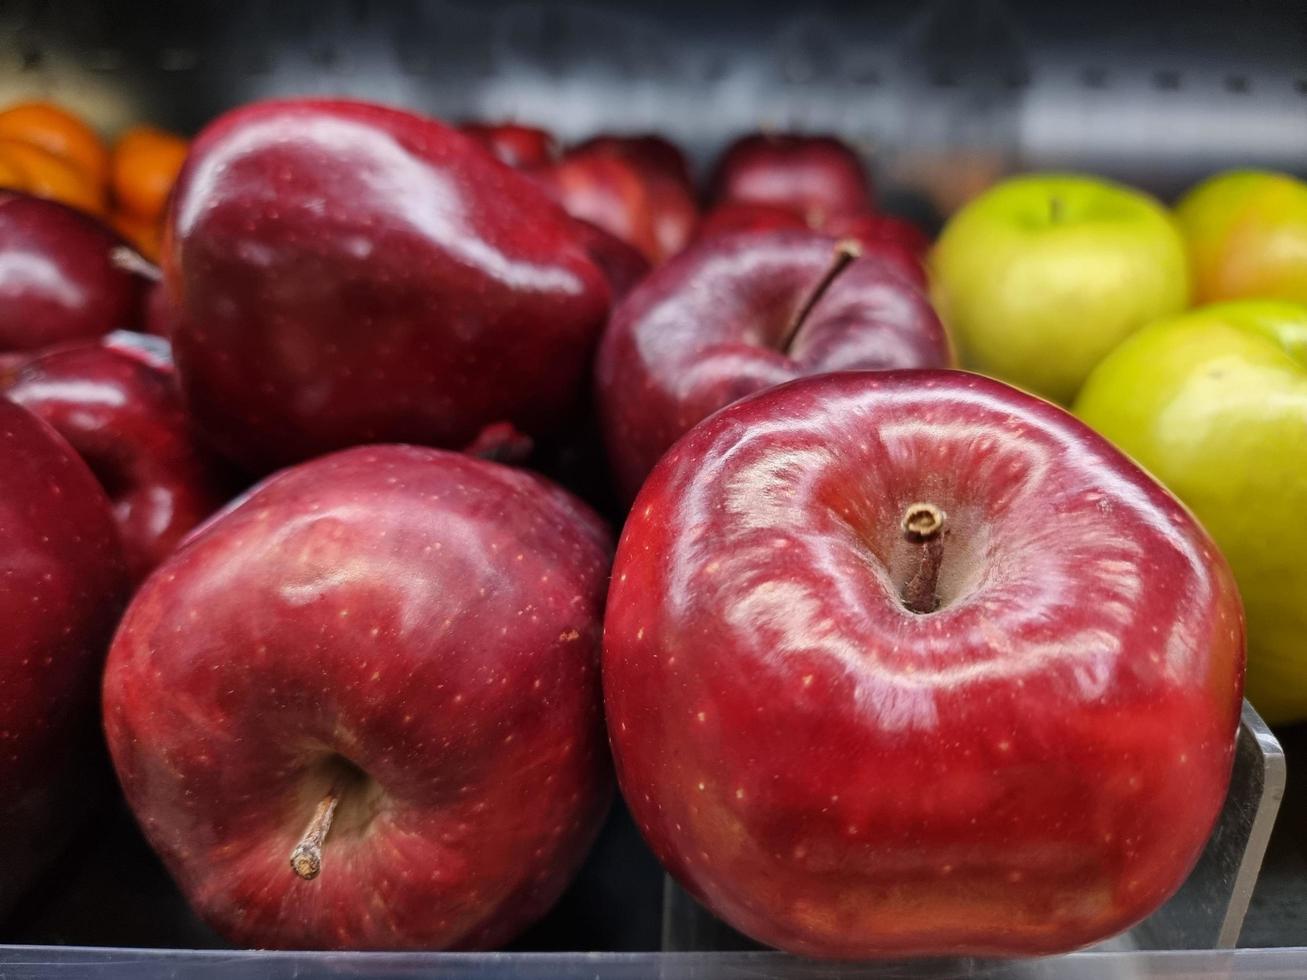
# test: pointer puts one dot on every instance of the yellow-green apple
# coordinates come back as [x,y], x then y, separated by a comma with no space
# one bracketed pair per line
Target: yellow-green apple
[1043,275]
[1214,403]
[361,707]
[912,663]
[1247,236]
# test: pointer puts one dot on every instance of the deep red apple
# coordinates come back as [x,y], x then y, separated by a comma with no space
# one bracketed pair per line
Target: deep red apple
[736,216]
[62,585]
[361,708]
[156,317]
[525,147]
[639,203]
[623,265]
[63,275]
[817,176]
[912,663]
[876,228]
[346,273]
[115,399]
[737,313]
[653,153]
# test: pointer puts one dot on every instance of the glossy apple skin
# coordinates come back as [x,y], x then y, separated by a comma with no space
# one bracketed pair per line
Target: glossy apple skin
[344,273]
[815,176]
[623,265]
[1214,404]
[640,204]
[431,618]
[115,399]
[156,317]
[58,277]
[1033,767]
[1247,236]
[654,154]
[707,327]
[731,217]
[1041,276]
[62,586]
[524,147]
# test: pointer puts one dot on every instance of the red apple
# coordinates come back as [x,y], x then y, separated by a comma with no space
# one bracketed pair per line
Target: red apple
[346,273]
[737,313]
[525,147]
[817,176]
[640,204]
[62,585]
[62,275]
[623,265]
[913,663]
[116,401]
[157,315]
[361,708]
[652,153]
[736,216]
[875,228]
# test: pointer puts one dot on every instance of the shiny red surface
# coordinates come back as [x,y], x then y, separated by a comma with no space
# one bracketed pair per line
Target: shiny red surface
[730,217]
[640,203]
[433,619]
[654,154]
[1032,767]
[514,144]
[816,176]
[709,327]
[62,585]
[58,279]
[119,406]
[345,273]
[623,265]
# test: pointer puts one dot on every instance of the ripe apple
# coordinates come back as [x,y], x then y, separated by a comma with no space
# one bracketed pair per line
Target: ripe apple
[741,312]
[912,663]
[63,275]
[1041,276]
[623,265]
[654,154]
[62,585]
[115,399]
[638,203]
[347,273]
[1247,236]
[156,317]
[524,147]
[730,217]
[1214,404]
[361,707]
[815,176]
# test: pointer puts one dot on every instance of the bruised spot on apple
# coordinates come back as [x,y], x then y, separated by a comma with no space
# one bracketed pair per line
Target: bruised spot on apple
[361,707]
[911,663]
[740,312]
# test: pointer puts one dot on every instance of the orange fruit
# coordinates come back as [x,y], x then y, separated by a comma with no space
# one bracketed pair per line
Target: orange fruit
[59,132]
[142,233]
[145,166]
[46,175]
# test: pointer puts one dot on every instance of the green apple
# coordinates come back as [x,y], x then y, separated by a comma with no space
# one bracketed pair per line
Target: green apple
[1247,236]
[1214,404]
[1041,276]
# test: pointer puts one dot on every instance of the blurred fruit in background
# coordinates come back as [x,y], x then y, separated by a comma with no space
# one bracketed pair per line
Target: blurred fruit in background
[41,173]
[1247,236]
[146,162]
[60,133]
[1042,276]
[1214,403]
[144,235]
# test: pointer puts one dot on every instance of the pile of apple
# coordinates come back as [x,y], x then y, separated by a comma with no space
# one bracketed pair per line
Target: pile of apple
[892,659]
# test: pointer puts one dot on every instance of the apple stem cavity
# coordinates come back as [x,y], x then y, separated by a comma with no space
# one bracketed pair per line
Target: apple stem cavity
[923,526]
[846,250]
[306,858]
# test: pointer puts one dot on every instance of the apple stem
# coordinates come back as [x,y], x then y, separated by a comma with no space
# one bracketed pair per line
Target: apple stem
[130,260]
[306,858]
[923,525]
[846,250]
